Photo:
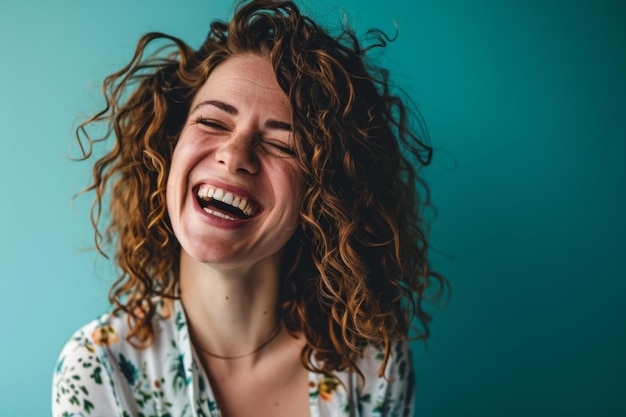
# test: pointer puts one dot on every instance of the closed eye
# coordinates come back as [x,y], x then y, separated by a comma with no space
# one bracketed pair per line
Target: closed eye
[277,147]
[214,124]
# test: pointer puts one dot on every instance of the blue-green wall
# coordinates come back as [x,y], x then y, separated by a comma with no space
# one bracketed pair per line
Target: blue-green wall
[526,104]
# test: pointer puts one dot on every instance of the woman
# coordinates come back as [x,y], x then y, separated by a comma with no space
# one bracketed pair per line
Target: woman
[266,219]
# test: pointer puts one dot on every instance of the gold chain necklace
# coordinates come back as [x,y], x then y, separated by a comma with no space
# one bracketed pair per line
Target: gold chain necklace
[256,350]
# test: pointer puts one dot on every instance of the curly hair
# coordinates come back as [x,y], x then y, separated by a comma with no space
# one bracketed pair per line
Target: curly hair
[356,271]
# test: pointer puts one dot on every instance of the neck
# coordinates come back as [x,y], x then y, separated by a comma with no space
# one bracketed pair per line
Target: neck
[230,312]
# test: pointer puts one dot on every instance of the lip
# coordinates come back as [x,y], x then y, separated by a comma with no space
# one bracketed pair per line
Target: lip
[216,221]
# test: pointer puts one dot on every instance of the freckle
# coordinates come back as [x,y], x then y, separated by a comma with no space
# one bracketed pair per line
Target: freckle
[227,297]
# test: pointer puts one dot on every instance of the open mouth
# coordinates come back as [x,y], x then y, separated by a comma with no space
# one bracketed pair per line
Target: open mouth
[225,204]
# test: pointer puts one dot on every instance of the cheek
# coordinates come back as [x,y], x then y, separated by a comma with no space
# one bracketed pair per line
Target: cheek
[172,177]
[294,191]
[184,157]
[175,184]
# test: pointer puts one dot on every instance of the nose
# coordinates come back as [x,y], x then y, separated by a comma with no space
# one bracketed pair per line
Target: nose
[237,155]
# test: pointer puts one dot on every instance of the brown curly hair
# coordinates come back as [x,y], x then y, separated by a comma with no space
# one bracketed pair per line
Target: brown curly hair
[356,271]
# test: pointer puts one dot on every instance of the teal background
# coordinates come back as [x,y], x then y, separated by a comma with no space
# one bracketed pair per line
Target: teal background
[525,103]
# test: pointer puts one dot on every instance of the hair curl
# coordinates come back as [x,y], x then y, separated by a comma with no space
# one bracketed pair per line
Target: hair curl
[359,269]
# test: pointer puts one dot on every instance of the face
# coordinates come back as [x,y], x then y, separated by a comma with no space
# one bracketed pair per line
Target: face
[234,190]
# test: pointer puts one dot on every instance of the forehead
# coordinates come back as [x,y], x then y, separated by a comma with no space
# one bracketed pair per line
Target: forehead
[248,79]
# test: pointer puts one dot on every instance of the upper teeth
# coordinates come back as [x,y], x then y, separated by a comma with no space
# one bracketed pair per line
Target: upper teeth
[207,192]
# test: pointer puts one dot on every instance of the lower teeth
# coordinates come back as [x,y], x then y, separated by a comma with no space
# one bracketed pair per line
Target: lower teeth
[219,214]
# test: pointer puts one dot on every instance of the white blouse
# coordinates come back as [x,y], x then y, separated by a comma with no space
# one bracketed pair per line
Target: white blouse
[99,374]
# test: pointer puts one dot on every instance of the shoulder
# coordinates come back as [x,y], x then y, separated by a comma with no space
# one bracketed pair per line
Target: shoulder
[107,337]
[82,375]
[368,394]
[398,366]
[97,364]
[391,394]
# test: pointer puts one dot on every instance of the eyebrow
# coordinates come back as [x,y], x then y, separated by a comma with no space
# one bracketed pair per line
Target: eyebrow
[220,105]
[277,125]
[231,110]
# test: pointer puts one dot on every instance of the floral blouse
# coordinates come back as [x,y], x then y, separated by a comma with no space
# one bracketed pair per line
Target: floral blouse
[99,374]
